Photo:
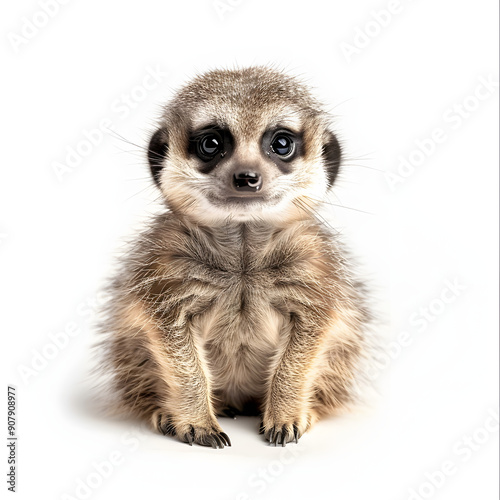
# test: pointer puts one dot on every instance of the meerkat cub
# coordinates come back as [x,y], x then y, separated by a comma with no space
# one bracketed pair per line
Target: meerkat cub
[237,299]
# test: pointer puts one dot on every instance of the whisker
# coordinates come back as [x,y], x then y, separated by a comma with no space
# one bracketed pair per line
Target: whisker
[310,211]
[341,206]
[143,148]
[343,164]
[138,193]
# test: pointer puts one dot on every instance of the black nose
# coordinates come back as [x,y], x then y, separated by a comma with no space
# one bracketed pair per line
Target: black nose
[247,181]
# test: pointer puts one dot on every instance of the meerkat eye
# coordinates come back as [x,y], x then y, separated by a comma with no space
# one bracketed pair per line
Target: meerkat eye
[283,145]
[208,146]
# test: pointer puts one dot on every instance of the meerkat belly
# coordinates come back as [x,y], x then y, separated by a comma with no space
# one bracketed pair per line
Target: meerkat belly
[239,337]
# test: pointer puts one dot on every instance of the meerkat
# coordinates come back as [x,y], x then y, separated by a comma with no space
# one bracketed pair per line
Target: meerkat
[237,299]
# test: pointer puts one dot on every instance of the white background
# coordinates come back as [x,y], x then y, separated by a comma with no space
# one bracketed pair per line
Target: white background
[439,225]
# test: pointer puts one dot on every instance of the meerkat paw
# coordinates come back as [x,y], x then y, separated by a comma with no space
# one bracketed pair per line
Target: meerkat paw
[281,434]
[204,435]
[283,431]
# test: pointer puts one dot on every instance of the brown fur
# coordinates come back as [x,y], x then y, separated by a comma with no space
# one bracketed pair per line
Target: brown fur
[255,311]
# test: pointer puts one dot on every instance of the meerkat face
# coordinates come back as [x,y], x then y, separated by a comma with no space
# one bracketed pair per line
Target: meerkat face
[249,144]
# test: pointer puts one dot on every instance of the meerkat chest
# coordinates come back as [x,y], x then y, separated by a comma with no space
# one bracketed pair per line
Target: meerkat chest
[248,288]
[242,318]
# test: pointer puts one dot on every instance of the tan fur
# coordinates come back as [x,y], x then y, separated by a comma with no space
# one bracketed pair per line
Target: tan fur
[249,308]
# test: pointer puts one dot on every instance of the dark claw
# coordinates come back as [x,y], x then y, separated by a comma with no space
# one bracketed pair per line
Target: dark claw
[220,441]
[213,442]
[277,441]
[208,438]
[226,438]
[271,435]
[282,436]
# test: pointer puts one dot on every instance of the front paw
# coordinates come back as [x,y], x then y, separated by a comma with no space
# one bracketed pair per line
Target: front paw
[280,431]
[205,435]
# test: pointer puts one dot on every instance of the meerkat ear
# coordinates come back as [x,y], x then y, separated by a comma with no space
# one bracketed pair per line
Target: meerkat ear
[332,155]
[157,152]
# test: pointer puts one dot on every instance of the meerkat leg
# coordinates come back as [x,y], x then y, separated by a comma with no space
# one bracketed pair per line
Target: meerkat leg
[188,411]
[288,412]
[184,406]
[313,378]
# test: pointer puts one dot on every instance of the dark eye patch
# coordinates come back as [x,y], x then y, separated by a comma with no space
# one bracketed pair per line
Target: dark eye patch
[210,144]
[283,146]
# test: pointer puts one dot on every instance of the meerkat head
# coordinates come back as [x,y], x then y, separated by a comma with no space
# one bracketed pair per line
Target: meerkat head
[249,144]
